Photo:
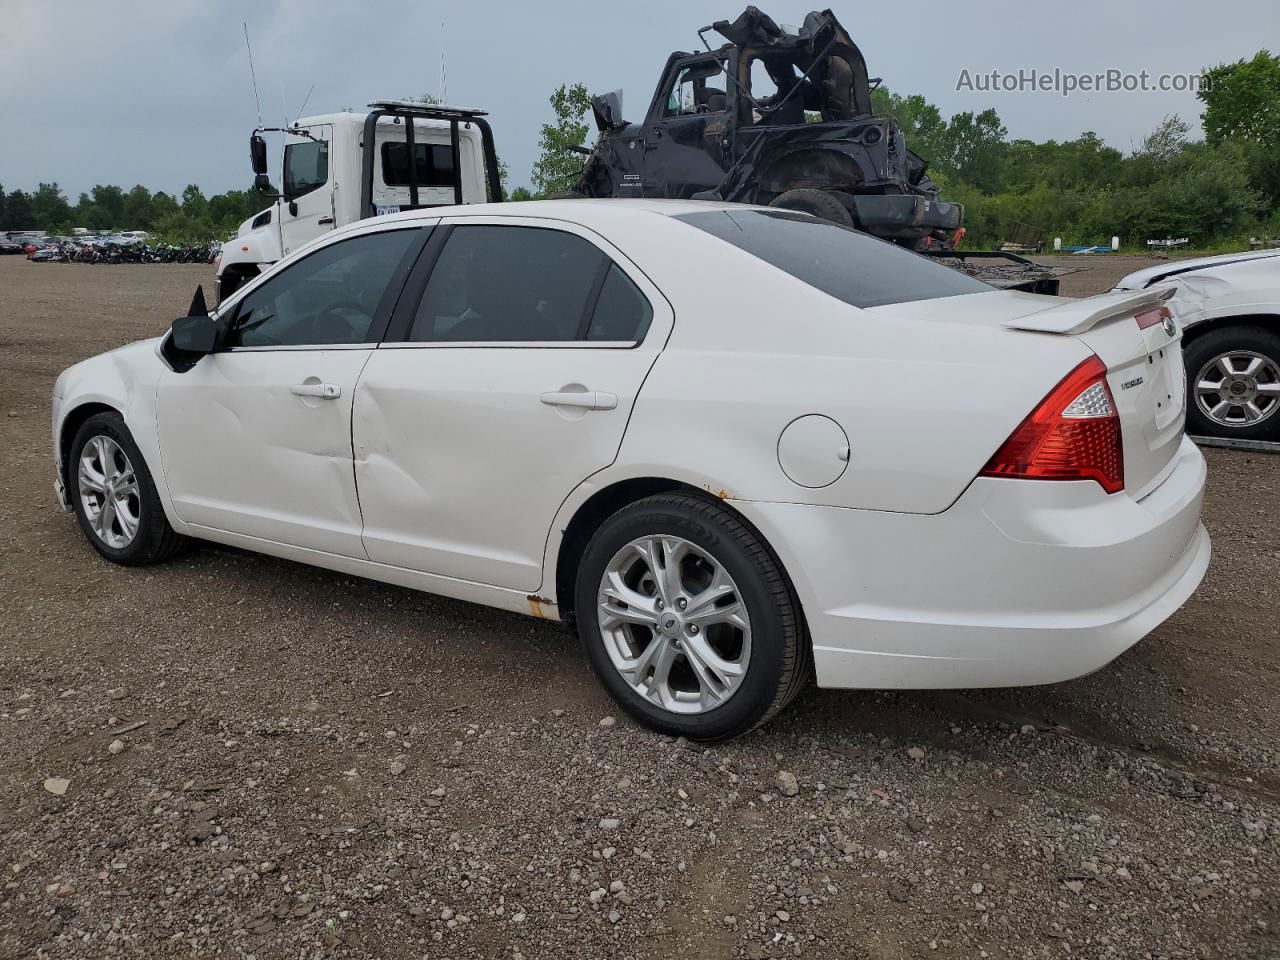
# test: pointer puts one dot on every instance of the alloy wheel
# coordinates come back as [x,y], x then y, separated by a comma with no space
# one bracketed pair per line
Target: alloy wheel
[674,624]
[1238,389]
[109,491]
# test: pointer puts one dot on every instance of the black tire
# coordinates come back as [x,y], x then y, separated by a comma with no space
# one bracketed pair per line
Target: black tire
[155,540]
[780,663]
[821,203]
[1203,351]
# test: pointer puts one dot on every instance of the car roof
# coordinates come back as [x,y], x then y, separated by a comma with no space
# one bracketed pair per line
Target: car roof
[588,211]
[1149,275]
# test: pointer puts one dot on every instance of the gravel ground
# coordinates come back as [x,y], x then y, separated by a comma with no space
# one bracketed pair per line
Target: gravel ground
[231,755]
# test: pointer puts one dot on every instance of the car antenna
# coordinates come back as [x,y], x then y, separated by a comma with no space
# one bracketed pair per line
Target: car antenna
[252,76]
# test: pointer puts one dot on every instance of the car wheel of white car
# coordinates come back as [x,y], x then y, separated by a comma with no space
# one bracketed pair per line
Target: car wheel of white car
[114,497]
[1233,384]
[688,619]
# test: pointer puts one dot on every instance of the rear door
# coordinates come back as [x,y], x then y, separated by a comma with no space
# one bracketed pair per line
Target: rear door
[506,379]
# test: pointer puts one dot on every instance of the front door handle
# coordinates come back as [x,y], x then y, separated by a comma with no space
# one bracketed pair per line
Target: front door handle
[325,391]
[586,399]
[325,221]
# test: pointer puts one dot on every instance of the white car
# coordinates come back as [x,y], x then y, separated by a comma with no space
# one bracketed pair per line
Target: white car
[1229,306]
[737,446]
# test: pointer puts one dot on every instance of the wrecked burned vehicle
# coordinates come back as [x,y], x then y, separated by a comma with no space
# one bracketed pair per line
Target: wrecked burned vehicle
[774,116]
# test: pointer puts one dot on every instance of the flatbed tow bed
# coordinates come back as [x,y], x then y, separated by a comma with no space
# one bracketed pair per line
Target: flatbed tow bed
[1012,272]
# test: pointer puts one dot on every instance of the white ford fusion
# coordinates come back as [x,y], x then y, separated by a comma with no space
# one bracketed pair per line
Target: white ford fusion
[738,447]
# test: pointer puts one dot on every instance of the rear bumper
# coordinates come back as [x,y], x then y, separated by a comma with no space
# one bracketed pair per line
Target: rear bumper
[905,214]
[1020,582]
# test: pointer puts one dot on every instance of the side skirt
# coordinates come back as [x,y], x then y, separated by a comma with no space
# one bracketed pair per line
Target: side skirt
[516,601]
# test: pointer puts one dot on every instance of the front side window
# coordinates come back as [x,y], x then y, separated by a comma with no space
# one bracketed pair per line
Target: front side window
[434,164]
[306,167]
[499,283]
[845,263]
[329,297]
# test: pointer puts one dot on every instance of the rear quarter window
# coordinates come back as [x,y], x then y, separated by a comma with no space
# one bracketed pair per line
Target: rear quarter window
[844,263]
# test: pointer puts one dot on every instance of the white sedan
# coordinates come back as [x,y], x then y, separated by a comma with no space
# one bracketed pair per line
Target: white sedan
[738,447]
[1229,308]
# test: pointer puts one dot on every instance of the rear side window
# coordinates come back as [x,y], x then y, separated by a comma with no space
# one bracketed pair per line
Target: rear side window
[847,264]
[498,283]
[622,313]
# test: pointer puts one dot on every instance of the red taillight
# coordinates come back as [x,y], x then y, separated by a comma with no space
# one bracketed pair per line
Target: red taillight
[1074,434]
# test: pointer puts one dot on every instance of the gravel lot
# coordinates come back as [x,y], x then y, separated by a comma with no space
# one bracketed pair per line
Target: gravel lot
[263,759]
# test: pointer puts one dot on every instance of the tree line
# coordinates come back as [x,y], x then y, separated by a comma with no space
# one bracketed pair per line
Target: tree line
[1216,191]
[189,218]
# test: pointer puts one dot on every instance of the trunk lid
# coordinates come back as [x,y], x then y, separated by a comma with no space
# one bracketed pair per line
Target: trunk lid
[1144,365]
[1144,371]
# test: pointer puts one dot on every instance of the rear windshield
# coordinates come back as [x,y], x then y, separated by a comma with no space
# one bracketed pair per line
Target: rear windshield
[844,263]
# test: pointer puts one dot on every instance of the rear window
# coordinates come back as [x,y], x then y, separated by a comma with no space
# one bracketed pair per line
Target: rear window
[849,265]
[434,164]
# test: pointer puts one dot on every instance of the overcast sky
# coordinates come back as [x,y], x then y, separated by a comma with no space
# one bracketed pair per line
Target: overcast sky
[157,92]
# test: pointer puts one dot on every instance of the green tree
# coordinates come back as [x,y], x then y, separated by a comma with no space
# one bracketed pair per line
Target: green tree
[975,149]
[137,208]
[194,203]
[4,211]
[50,208]
[20,213]
[110,199]
[557,165]
[521,193]
[1242,100]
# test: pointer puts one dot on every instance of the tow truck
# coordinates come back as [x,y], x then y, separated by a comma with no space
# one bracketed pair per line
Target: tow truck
[342,167]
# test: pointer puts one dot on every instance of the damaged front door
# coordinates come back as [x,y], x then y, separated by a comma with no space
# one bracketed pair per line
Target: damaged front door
[689,133]
[255,439]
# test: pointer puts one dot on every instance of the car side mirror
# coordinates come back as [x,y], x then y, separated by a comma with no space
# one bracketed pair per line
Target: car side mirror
[607,109]
[258,154]
[194,335]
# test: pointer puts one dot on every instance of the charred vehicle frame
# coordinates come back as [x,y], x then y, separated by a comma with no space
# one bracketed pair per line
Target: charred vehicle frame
[814,145]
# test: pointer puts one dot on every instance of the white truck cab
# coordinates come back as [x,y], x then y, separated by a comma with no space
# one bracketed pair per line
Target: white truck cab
[343,167]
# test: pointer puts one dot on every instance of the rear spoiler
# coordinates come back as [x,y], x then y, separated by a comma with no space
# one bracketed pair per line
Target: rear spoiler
[1077,316]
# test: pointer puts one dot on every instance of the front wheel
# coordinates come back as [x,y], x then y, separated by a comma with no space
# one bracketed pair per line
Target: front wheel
[114,497]
[1233,384]
[688,619]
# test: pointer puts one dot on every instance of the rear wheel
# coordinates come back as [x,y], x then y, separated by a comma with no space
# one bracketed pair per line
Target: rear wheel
[1233,384]
[821,203]
[688,620]
[114,497]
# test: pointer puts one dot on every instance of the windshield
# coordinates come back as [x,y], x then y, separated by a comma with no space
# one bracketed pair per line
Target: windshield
[844,263]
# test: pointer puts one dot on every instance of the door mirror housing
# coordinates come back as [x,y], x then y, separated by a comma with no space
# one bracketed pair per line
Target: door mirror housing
[607,109]
[258,155]
[194,335]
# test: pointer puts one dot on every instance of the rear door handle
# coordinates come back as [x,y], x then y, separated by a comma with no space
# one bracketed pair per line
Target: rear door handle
[325,391]
[324,221]
[587,399]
